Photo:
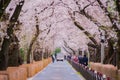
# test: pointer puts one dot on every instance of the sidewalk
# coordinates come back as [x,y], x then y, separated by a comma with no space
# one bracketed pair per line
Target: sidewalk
[58,71]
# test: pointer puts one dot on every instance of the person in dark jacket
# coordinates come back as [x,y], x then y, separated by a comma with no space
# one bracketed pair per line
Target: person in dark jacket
[80,58]
[53,59]
[55,55]
[85,60]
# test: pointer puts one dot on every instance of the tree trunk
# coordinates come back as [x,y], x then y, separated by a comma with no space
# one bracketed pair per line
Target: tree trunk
[118,6]
[118,52]
[32,42]
[110,52]
[13,52]
[5,49]
[4,54]
[3,5]
[7,40]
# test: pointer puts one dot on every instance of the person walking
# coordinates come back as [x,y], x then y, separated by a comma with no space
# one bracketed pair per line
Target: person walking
[80,58]
[85,60]
[53,59]
[55,56]
[65,57]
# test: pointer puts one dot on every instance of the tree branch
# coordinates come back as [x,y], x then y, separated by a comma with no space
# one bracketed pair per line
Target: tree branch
[66,50]
[112,20]
[86,33]
[66,45]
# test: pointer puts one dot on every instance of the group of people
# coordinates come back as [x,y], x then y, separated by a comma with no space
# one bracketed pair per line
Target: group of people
[81,59]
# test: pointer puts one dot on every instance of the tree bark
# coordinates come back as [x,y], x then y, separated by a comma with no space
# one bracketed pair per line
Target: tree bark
[3,5]
[118,6]
[5,48]
[118,52]
[13,52]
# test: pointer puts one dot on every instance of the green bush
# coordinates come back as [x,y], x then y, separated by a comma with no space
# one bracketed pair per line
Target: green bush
[22,55]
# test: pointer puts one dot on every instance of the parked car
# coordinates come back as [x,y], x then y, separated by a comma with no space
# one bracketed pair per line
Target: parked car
[60,57]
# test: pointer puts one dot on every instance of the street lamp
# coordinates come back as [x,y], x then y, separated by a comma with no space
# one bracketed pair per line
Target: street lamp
[102,36]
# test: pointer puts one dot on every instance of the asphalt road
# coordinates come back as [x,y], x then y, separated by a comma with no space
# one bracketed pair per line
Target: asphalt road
[58,71]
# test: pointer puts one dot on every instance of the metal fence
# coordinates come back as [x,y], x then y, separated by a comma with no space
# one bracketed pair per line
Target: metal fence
[87,72]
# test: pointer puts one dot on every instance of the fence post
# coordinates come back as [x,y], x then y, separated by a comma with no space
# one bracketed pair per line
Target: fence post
[95,72]
[104,77]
